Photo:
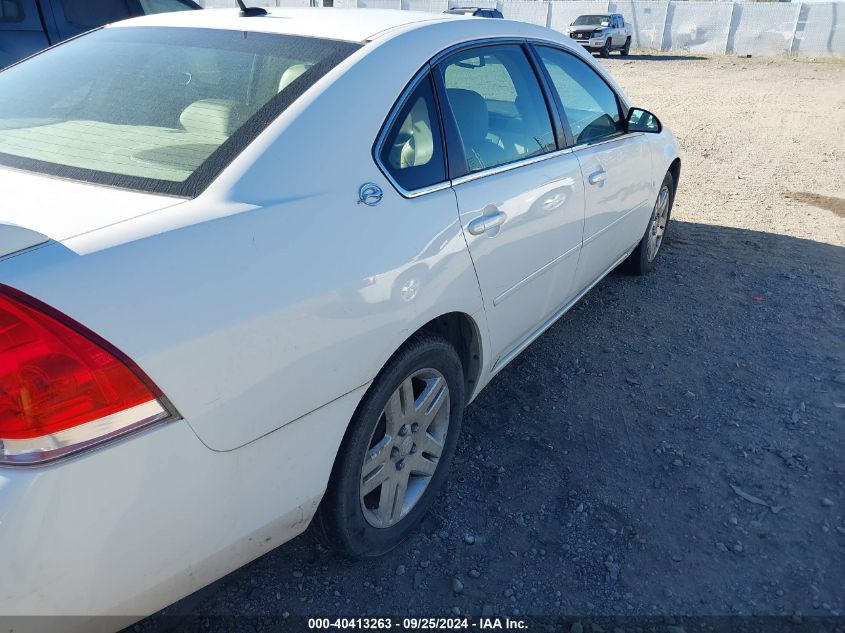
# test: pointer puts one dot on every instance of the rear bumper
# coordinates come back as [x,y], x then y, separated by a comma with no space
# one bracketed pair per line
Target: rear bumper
[134,526]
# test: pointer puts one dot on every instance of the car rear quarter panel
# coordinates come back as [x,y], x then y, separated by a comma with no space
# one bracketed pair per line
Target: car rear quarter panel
[250,321]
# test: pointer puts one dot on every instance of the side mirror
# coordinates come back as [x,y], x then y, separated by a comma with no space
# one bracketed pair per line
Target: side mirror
[640,120]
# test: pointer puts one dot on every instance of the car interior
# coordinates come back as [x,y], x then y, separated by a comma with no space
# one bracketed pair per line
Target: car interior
[415,145]
[195,100]
[498,107]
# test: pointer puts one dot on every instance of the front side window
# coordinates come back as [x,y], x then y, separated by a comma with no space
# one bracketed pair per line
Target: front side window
[11,11]
[497,105]
[412,152]
[153,108]
[590,106]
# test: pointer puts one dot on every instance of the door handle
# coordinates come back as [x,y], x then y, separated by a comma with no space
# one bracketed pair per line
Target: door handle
[597,177]
[486,222]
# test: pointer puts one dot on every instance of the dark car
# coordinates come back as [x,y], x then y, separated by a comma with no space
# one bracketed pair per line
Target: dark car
[478,12]
[27,26]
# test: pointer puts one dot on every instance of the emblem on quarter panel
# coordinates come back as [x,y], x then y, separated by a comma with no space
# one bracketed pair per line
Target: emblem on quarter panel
[409,289]
[370,194]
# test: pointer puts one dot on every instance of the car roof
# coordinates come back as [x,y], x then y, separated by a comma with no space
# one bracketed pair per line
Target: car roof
[353,25]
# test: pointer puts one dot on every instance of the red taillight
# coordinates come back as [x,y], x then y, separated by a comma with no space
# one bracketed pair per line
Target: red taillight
[62,388]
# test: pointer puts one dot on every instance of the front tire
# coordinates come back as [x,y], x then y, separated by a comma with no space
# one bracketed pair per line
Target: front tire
[641,261]
[396,453]
[604,51]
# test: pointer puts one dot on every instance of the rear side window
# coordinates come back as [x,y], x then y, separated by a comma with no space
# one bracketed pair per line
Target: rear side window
[497,105]
[11,11]
[153,108]
[412,151]
[89,14]
[590,106]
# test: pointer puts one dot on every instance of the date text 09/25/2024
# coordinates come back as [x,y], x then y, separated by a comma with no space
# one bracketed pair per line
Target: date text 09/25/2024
[416,624]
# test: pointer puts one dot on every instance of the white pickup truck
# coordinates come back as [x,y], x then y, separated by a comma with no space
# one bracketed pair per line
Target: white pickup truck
[602,32]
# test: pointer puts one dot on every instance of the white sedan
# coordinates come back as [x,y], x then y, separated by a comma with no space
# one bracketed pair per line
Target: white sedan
[254,267]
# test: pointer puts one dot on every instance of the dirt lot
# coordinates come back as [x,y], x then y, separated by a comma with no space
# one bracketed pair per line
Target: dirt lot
[676,443]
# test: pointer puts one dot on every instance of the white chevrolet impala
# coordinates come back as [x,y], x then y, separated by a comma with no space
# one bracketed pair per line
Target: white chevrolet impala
[254,267]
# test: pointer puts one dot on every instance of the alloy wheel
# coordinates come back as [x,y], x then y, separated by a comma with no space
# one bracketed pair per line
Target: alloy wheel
[405,448]
[659,219]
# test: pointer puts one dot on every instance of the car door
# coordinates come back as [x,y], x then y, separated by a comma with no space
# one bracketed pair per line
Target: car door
[617,34]
[521,200]
[621,29]
[616,166]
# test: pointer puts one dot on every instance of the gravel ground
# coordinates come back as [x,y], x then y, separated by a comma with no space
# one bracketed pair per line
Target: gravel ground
[674,445]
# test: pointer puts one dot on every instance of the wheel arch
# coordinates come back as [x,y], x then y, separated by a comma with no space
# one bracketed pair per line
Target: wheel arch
[464,334]
[675,170]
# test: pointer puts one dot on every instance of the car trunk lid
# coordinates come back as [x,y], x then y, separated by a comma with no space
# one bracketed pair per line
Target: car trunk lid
[35,209]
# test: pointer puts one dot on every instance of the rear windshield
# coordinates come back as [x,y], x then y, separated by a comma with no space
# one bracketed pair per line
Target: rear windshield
[155,109]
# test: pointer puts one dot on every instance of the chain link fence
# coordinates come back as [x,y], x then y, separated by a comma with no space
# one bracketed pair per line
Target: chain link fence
[753,28]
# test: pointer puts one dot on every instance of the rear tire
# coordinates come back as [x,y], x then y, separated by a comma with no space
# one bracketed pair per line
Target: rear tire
[626,49]
[604,51]
[395,456]
[641,261]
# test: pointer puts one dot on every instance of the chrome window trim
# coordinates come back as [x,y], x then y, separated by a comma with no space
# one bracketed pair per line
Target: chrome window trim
[37,450]
[428,67]
[487,41]
[548,156]
[426,190]
[608,139]
[509,166]
[387,126]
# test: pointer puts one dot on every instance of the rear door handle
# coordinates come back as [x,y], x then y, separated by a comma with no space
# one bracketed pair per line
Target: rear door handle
[486,222]
[597,177]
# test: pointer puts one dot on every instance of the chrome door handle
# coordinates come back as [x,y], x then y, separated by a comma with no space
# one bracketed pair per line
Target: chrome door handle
[597,177]
[486,222]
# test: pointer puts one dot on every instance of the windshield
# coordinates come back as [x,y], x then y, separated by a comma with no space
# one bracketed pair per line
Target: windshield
[592,20]
[156,109]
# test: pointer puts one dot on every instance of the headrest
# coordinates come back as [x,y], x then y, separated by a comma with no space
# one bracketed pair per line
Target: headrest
[419,148]
[471,114]
[292,74]
[211,117]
